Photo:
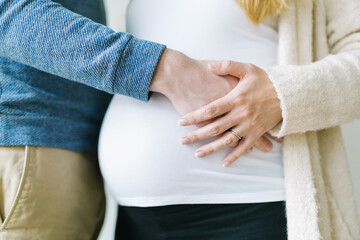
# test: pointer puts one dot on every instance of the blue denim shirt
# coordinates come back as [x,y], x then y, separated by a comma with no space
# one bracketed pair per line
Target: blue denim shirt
[58,64]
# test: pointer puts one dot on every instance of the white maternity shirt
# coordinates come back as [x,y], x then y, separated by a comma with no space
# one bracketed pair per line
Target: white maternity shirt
[141,157]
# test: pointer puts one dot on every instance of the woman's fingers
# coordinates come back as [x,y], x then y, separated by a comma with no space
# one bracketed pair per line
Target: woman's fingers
[232,68]
[253,104]
[210,111]
[226,140]
[230,140]
[213,129]
[263,144]
[243,148]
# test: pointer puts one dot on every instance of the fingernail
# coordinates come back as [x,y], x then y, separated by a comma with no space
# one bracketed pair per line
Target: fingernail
[199,154]
[185,140]
[182,122]
[268,147]
[226,164]
[249,150]
[213,66]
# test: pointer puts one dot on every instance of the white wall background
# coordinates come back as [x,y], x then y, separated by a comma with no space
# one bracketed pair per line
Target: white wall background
[116,20]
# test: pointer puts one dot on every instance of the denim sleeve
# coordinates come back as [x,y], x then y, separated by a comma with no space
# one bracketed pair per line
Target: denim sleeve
[51,38]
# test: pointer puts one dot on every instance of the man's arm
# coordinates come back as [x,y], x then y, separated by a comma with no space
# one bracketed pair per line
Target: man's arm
[49,37]
[46,36]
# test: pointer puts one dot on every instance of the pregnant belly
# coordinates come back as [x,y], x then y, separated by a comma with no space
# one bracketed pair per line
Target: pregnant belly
[141,155]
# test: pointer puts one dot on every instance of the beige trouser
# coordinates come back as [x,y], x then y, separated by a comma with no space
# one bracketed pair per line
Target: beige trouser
[48,193]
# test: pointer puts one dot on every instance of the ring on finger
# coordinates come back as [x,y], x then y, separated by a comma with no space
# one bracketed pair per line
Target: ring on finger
[236,135]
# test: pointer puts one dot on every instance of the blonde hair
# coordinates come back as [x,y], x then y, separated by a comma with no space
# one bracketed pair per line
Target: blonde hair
[257,10]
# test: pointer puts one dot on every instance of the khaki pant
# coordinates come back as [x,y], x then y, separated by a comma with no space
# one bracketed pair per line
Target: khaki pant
[48,193]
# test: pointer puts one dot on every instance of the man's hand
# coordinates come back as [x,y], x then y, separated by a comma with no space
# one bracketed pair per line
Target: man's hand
[188,83]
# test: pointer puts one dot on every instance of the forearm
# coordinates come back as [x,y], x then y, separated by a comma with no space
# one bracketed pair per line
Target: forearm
[46,36]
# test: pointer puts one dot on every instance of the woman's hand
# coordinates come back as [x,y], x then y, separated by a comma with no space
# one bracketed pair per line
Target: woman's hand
[251,109]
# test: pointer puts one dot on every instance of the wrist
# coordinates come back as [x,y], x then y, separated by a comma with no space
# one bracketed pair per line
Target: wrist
[166,74]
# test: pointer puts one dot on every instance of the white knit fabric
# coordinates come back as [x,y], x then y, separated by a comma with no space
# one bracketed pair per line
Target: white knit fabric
[318,84]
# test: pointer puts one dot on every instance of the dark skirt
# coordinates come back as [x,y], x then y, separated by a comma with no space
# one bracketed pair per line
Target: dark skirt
[254,221]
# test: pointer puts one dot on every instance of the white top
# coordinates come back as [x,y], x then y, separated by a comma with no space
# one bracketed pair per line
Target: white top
[141,157]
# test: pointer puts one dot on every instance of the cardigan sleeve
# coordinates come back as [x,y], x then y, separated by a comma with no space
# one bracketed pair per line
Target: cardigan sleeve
[325,93]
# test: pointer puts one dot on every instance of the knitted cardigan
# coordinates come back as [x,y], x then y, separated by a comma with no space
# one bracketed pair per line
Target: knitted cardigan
[318,84]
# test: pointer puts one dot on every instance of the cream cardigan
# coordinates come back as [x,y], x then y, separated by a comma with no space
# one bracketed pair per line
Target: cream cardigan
[318,83]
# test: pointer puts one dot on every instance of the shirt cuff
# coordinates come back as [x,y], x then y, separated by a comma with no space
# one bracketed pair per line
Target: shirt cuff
[136,68]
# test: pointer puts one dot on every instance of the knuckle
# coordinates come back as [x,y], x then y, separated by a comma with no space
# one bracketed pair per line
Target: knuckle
[239,100]
[228,141]
[195,119]
[215,130]
[251,67]
[227,64]
[195,138]
[253,125]
[210,112]
[247,114]
[236,156]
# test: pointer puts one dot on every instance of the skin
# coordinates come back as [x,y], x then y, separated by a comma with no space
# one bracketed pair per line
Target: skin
[251,109]
[187,82]
[189,85]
